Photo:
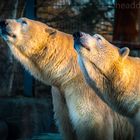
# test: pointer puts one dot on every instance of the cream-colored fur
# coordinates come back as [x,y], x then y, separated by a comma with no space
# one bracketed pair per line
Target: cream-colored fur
[49,56]
[113,73]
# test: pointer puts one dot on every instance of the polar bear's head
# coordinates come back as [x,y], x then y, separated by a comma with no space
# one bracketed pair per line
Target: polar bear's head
[98,52]
[41,49]
[25,34]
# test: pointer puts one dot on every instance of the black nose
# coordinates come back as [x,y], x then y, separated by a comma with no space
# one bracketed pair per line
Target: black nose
[77,35]
[3,24]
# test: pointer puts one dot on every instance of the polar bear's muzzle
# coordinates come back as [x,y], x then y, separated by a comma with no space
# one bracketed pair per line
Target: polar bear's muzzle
[78,43]
[85,40]
[5,29]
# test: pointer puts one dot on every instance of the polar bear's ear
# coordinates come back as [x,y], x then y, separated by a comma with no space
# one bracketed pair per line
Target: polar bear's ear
[124,52]
[50,31]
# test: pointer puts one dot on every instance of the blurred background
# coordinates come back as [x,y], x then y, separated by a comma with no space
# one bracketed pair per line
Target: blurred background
[26,111]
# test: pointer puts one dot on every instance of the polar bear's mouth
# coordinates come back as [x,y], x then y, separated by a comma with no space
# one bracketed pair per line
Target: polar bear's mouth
[84,44]
[5,32]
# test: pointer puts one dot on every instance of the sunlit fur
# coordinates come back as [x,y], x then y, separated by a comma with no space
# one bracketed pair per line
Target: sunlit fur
[50,57]
[114,74]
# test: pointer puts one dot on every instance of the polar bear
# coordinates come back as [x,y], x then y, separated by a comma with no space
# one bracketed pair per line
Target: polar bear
[49,56]
[113,73]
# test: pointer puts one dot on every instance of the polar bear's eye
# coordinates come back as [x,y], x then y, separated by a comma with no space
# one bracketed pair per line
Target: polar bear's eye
[24,22]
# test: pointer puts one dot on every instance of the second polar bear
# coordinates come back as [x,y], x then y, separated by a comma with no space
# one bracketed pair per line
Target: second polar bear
[113,73]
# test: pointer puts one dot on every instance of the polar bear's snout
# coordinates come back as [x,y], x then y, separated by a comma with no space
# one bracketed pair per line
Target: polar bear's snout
[79,41]
[7,30]
[84,40]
